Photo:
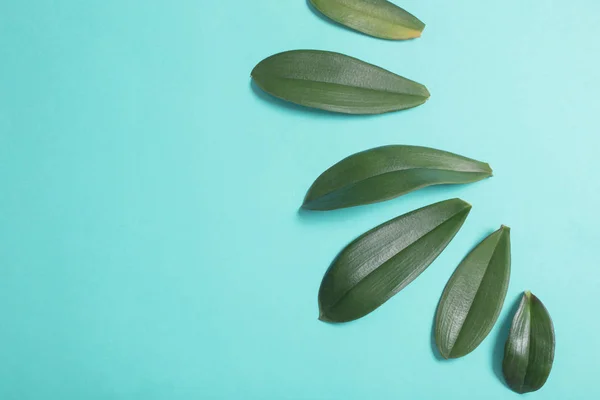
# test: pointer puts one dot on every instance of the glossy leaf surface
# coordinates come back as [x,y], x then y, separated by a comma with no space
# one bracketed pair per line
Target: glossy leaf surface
[336,82]
[473,297]
[378,18]
[386,172]
[529,350]
[381,262]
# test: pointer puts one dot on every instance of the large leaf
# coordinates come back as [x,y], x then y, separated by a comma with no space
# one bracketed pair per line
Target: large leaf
[378,18]
[336,82]
[474,296]
[384,260]
[386,172]
[529,350]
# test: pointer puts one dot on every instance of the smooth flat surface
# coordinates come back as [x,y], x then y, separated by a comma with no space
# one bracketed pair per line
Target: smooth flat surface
[150,243]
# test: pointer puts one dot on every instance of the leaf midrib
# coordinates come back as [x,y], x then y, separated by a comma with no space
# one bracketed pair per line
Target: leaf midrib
[528,362]
[349,86]
[354,184]
[527,359]
[476,292]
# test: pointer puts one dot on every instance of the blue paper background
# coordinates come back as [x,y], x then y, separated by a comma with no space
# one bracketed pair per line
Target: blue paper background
[150,241]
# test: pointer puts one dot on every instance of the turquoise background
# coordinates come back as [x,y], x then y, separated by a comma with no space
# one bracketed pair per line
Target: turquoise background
[150,241]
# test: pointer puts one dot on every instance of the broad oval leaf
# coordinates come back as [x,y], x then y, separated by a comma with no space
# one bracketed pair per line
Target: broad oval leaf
[378,18]
[381,262]
[473,297]
[386,172]
[529,350]
[336,82]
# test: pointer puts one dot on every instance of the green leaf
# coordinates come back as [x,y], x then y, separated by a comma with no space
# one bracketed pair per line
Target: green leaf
[335,82]
[473,297]
[381,262]
[378,18]
[386,172]
[529,350]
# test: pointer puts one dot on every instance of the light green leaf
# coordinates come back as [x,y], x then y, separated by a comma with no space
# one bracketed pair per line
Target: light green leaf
[529,350]
[473,297]
[386,172]
[381,262]
[378,18]
[336,82]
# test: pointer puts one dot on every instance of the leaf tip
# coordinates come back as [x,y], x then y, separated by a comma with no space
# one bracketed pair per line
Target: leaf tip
[427,93]
[309,205]
[445,356]
[466,204]
[489,169]
[323,317]
[417,34]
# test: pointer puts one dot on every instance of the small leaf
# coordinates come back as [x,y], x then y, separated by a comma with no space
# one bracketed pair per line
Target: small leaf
[381,262]
[386,172]
[473,297]
[529,350]
[378,18]
[336,82]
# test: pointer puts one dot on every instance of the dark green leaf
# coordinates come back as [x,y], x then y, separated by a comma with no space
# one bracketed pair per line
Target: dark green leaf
[473,297]
[335,82]
[529,350]
[384,260]
[378,18]
[386,172]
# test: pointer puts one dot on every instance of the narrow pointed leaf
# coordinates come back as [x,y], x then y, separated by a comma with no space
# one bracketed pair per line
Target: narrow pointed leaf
[529,350]
[381,262]
[386,172]
[336,82]
[378,18]
[473,297]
